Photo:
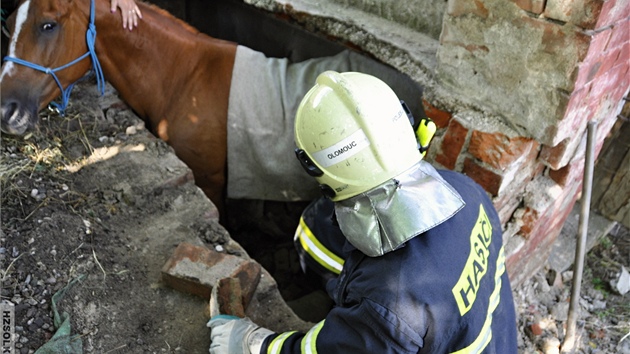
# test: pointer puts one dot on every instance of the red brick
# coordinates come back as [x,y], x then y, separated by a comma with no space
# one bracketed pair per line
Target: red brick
[227,298]
[510,196]
[440,118]
[452,144]
[552,205]
[570,127]
[608,60]
[534,6]
[620,35]
[536,329]
[195,269]
[586,73]
[575,115]
[529,218]
[568,174]
[612,12]
[554,155]
[608,82]
[505,205]
[489,180]
[499,150]
[556,38]
[593,61]
[624,56]
[583,14]
[599,42]
[248,273]
[458,8]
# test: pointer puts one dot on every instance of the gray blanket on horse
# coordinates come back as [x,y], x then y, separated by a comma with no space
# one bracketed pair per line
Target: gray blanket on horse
[264,98]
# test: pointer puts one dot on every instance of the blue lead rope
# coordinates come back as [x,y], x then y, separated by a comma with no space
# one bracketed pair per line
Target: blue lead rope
[90,37]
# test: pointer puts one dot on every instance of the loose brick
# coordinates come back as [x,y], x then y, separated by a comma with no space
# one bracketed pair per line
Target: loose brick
[195,269]
[227,298]
[248,274]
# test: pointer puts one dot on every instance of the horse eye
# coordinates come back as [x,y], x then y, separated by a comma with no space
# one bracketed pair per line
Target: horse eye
[48,26]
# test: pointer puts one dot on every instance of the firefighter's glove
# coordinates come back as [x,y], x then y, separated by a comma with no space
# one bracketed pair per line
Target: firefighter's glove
[233,335]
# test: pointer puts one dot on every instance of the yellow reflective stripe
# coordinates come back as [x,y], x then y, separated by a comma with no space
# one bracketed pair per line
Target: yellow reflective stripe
[276,345]
[315,249]
[465,290]
[485,335]
[310,339]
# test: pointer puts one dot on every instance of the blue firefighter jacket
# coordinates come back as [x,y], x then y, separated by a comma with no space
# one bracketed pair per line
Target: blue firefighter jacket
[444,291]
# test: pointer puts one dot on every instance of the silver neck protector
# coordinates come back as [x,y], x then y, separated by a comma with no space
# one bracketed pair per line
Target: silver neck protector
[382,219]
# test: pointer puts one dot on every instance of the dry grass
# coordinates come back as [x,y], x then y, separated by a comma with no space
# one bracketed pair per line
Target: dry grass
[44,154]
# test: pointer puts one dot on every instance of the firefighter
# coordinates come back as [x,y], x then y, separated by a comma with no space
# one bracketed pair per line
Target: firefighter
[416,255]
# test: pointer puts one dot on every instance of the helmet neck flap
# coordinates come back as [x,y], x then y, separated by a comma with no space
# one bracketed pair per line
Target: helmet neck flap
[382,219]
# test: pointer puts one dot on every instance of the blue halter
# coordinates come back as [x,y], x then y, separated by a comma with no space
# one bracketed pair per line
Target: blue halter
[90,36]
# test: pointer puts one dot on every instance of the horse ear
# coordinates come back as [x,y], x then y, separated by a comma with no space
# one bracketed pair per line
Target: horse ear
[11,23]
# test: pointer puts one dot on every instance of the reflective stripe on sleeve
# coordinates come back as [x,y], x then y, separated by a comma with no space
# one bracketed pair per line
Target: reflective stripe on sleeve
[315,249]
[309,340]
[485,335]
[275,347]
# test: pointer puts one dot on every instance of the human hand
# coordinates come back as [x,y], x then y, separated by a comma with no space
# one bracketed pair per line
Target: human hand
[129,10]
[233,335]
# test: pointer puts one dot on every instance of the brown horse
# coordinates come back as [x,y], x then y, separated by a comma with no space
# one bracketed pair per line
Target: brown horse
[179,82]
[180,88]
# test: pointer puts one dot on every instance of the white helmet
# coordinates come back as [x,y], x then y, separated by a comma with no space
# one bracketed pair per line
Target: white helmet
[353,134]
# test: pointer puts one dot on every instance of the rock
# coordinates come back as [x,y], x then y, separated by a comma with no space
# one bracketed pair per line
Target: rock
[551,345]
[567,276]
[535,329]
[621,284]
[624,346]
[560,311]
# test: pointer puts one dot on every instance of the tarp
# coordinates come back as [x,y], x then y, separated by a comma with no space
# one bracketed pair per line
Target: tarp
[62,342]
[264,98]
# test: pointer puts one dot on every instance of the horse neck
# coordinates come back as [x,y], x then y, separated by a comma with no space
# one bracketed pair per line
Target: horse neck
[137,63]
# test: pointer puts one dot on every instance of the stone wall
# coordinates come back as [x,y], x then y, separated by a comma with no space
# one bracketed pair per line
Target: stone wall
[424,16]
[511,85]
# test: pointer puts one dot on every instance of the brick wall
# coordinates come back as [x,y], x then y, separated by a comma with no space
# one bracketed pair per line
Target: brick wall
[535,175]
[512,85]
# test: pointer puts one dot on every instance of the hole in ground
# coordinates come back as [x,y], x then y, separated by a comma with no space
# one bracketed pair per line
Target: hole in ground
[265,229]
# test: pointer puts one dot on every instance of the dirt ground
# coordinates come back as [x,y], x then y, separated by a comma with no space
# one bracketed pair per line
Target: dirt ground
[63,219]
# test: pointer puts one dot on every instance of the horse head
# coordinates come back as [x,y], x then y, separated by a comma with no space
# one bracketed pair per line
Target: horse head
[45,57]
